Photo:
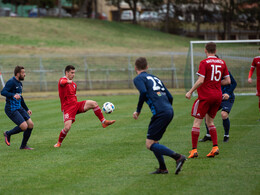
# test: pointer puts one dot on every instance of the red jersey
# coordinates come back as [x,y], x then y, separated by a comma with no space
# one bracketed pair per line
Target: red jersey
[212,69]
[67,93]
[256,65]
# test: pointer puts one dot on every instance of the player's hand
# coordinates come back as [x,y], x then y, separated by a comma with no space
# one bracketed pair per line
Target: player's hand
[225,96]
[69,81]
[249,80]
[188,95]
[17,96]
[135,115]
[29,112]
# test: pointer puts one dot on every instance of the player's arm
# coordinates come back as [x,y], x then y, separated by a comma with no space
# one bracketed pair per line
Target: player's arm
[198,83]
[23,104]
[139,83]
[6,90]
[64,81]
[169,95]
[233,84]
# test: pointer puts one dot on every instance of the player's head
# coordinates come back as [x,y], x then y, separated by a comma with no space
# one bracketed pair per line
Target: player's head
[141,64]
[210,48]
[19,72]
[70,72]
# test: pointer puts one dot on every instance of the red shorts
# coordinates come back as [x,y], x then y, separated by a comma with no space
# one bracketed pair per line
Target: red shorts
[202,107]
[69,113]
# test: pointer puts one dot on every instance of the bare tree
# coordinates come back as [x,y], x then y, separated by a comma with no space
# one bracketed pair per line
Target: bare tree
[133,6]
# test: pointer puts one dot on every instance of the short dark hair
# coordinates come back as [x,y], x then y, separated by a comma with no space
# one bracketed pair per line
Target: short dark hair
[211,47]
[141,63]
[68,68]
[17,70]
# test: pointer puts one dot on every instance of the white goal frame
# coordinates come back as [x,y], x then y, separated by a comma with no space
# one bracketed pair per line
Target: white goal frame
[216,41]
[2,80]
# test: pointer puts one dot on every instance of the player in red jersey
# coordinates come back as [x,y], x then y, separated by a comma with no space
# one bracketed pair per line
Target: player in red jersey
[256,65]
[208,86]
[70,106]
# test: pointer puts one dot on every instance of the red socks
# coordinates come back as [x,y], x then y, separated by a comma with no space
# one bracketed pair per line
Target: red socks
[195,132]
[213,133]
[99,114]
[63,134]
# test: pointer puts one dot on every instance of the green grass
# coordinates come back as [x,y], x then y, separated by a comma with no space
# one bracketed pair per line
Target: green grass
[44,35]
[93,160]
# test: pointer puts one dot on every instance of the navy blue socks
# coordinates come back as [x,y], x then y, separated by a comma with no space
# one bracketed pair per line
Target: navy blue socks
[26,136]
[226,125]
[15,130]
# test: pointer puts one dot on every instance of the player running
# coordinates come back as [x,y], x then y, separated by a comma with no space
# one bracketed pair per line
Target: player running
[256,65]
[155,94]
[16,109]
[70,106]
[208,86]
[228,99]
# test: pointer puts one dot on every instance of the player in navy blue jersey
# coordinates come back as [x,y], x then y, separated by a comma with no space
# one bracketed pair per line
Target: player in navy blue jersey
[155,94]
[226,105]
[16,109]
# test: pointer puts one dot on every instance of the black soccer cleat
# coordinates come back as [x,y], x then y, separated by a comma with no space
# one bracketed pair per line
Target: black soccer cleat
[179,164]
[7,139]
[226,139]
[160,171]
[205,138]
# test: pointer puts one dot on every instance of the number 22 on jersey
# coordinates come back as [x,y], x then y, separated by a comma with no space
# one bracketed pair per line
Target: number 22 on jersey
[215,73]
[157,83]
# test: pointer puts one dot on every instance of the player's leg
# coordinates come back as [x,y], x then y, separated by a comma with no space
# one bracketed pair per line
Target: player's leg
[214,137]
[63,133]
[226,124]
[18,119]
[156,130]
[27,134]
[207,137]
[195,132]
[90,104]
[259,103]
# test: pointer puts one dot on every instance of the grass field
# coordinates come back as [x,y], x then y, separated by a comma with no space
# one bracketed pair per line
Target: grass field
[93,160]
[81,36]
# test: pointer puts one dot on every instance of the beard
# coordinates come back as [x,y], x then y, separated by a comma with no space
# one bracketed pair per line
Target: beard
[21,78]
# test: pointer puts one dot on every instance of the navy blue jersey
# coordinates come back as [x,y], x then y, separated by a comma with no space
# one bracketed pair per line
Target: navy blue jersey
[229,89]
[12,87]
[153,92]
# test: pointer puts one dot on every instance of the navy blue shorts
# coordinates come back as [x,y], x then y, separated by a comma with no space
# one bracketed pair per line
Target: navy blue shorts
[158,125]
[18,116]
[226,105]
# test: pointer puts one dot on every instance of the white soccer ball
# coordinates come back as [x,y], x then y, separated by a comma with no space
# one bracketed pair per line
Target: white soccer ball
[108,107]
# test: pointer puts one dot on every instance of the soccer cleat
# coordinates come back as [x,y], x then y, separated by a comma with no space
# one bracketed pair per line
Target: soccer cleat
[57,145]
[7,139]
[160,171]
[193,153]
[26,148]
[226,139]
[205,138]
[107,123]
[213,152]
[179,164]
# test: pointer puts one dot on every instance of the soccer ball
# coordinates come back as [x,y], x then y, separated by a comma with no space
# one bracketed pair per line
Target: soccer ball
[108,107]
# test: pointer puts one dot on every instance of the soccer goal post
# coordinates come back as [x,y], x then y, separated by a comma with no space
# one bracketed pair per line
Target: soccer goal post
[2,80]
[238,55]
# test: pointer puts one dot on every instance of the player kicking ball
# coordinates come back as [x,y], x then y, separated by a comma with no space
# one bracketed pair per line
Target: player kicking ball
[70,106]
[208,86]
[155,94]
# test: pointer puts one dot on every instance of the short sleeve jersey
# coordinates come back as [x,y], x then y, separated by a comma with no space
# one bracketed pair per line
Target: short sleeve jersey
[256,65]
[67,93]
[212,69]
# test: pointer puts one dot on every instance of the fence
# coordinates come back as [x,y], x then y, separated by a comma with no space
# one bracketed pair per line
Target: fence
[104,71]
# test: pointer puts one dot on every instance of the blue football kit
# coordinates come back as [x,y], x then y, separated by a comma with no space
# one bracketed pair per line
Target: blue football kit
[155,94]
[15,109]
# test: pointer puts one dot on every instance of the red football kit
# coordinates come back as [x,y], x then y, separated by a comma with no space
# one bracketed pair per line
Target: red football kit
[68,98]
[256,65]
[209,93]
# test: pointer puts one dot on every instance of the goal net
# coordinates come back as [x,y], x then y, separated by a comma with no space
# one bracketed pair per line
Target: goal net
[238,55]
